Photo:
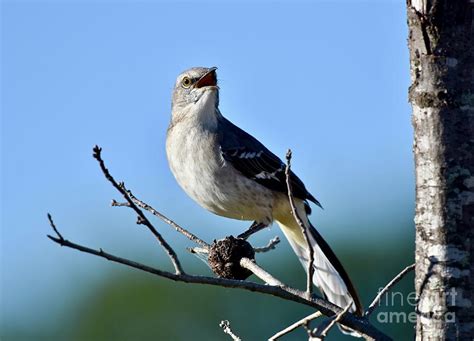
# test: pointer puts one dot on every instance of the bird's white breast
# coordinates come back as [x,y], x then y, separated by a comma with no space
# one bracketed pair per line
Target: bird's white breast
[196,162]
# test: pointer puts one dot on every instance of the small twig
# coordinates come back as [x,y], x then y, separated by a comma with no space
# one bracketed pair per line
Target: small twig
[247,264]
[168,221]
[254,228]
[259,272]
[115,203]
[304,321]
[202,254]
[53,226]
[142,218]
[225,325]
[272,243]
[333,322]
[390,284]
[270,246]
[198,250]
[310,269]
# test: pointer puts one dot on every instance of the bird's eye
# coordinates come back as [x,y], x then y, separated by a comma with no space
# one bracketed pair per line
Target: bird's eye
[186,82]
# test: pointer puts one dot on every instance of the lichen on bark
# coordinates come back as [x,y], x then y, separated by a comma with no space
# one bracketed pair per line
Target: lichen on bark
[441,94]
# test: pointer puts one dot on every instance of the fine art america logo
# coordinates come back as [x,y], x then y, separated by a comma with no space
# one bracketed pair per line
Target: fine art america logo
[397,298]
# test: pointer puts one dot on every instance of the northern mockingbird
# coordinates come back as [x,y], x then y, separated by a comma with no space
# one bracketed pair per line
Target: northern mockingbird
[230,173]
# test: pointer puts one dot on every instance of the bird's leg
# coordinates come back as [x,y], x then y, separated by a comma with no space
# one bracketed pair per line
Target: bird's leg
[255,227]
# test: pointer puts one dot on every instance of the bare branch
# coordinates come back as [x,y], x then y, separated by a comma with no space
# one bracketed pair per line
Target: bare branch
[259,272]
[115,203]
[142,218]
[53,226]
[310,269]
[198,250]
[327,308]
[304,321]
[333,322]
[168,221]
[247,264]
[270,246]
[390,284]
[225,325]
[254,228]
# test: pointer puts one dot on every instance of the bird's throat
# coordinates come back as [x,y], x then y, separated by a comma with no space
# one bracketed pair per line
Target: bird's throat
[205,110]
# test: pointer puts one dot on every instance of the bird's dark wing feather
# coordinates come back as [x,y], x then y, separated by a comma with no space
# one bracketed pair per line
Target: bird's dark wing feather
[256,162]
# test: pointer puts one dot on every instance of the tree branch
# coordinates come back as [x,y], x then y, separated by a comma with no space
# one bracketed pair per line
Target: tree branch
[225,325]
[284,292]
[333,322]
[272,243]
[260,273]
[270,246]
[390,284]
[304,321]
[165,219]
[53,226]
[142,219]
[310,268]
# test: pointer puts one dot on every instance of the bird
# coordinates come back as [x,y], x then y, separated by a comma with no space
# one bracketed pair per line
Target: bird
[231,174]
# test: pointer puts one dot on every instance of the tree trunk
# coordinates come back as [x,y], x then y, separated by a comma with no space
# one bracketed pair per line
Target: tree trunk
[442,98]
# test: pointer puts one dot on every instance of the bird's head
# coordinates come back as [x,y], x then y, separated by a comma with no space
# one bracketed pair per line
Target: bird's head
[195,89]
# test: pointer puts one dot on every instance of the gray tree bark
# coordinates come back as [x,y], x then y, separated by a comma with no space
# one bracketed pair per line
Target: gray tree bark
[442,98]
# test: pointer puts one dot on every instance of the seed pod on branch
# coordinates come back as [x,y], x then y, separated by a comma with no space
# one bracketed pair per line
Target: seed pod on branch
[225,256]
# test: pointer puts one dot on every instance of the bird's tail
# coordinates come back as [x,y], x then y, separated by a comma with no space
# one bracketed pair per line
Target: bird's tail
[329,275]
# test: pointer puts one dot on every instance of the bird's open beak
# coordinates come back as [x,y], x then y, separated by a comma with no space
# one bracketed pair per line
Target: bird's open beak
[209,79]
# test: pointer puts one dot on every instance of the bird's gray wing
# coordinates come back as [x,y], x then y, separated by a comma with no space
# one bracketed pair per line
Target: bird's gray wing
[256,162]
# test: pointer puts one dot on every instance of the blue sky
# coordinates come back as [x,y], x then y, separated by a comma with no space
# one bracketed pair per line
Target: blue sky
[328,80]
